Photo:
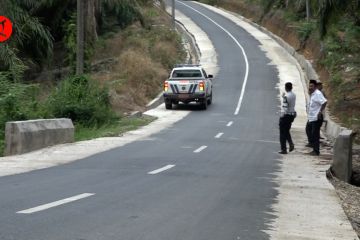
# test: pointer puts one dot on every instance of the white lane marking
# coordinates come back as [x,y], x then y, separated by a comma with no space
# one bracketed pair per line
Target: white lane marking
[200,149]
[219,135]
[167,167]
[230,123]
[242,50]
[267,141]
[186,147]
[55,204]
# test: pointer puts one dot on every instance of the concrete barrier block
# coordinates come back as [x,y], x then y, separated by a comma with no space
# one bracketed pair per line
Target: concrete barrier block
[331,128]
[26,136]
[342,159]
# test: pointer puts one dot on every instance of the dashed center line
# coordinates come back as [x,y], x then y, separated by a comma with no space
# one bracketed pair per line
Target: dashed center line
[219,135]
[167,167]
[55,204]
[200,149]
[230,123]
[267,141]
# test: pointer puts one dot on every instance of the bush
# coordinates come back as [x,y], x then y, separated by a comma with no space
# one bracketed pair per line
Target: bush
[70,40]
[82,100]
[146,81]
[126,12]
[18,101]
[335,81]
[305,28]
[334,53]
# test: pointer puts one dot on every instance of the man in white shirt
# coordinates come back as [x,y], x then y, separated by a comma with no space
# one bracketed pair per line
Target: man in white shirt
[315,108]
[288,115]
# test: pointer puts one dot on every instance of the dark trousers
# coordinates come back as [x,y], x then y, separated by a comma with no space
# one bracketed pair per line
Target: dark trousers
[308,132]
[308,129]
[284,126]
[313,128]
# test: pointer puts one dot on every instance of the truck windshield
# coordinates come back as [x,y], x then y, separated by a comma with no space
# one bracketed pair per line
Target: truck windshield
[186,74]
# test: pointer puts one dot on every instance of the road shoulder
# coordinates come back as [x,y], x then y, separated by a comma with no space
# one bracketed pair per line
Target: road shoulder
[307,206]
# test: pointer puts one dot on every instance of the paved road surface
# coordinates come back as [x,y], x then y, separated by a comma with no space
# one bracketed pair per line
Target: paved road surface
[209,176]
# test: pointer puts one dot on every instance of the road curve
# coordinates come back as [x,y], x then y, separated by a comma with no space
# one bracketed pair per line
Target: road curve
[208,176]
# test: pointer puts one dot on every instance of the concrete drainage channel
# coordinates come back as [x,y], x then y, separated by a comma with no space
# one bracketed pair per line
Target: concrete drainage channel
[343,138]
[26,136]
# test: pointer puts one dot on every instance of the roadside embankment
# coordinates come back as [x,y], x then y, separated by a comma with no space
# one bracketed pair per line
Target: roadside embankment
[307,205]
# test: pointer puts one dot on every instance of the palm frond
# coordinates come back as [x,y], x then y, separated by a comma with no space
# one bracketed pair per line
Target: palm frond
[11,62]
[30,36]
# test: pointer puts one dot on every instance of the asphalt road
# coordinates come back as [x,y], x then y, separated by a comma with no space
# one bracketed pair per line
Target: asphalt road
[216,184]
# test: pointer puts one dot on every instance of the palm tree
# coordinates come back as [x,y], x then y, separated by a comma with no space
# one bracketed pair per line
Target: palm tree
[31,41]
[38,23]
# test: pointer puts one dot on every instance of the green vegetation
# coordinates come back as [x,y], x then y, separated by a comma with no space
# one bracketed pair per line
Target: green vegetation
[110,130]
[40,24]
[78,98]
[305,29]
[81,100]
[128,33]
[156,50]
[17,102]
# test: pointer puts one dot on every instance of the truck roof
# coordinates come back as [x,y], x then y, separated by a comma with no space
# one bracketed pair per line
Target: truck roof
[187,66]
[191,68]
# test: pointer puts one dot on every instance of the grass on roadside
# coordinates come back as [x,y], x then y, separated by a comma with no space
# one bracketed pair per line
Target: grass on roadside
[111,130]
[108,130]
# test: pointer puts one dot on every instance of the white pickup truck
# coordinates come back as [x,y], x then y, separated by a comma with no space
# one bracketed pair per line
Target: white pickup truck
[188,83]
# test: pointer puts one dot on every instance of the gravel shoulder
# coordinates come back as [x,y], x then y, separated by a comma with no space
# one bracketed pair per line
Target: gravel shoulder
[349,194]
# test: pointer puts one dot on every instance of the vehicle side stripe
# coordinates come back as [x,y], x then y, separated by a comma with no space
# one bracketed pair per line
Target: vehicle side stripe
[195,88]
[177,89]
[172,88]
[190,89]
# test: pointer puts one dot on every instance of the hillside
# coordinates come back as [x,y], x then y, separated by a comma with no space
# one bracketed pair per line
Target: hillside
[129,49]
[330,39]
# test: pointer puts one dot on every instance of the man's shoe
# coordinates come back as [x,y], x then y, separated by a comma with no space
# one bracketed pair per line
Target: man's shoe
[282,152]
[291,148]
[309,145]
[313,153]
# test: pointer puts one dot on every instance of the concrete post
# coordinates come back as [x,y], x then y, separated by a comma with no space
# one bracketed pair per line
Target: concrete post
[342,159]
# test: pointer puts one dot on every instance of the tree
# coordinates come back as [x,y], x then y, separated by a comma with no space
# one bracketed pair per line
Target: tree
[31,40]
[40,23]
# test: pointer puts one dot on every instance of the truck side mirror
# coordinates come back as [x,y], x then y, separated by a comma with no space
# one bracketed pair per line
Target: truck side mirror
[210,76]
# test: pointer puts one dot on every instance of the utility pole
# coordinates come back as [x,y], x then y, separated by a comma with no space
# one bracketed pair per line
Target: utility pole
[308,13]
[80,37]
[173,14]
